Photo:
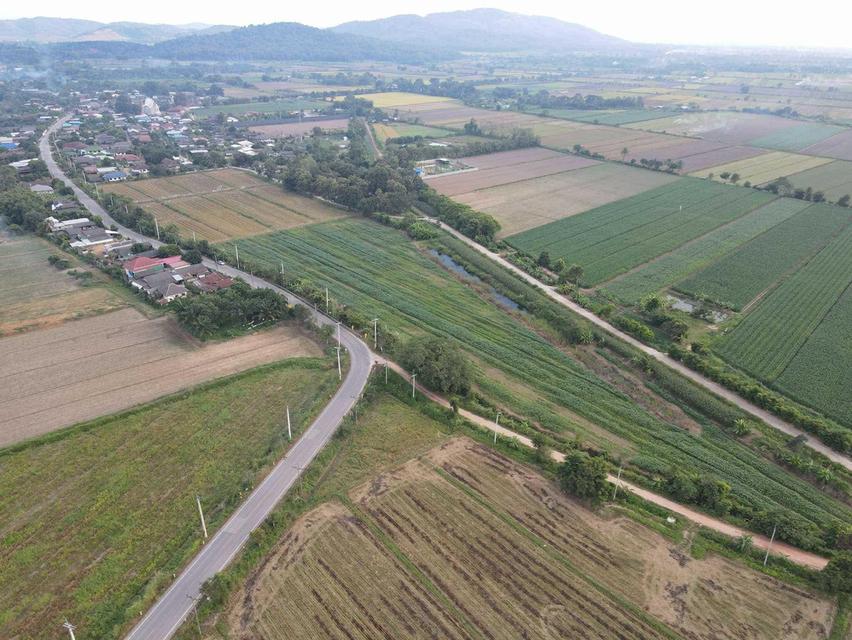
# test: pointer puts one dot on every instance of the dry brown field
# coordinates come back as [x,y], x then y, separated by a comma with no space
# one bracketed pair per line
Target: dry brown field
[223,204]
[464,543]
[81,370]
[522,205]
[35,294]
[838,146]
[700,161]
[728,127]
[300,128]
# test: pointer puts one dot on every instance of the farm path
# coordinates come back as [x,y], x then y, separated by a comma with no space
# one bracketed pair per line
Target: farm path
[173,607]
[762,542]
[767,417]
[378,152]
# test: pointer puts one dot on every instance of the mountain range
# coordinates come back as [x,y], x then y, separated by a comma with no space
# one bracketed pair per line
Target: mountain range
[46,30]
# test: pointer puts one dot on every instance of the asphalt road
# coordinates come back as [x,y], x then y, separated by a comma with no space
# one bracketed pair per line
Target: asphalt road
[172,608]
[717,389]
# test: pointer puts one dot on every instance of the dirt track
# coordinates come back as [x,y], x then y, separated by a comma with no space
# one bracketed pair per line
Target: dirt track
[89,368]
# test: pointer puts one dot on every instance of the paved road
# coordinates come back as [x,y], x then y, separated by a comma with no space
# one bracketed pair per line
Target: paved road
[767,417]
[167,614]
[795,554]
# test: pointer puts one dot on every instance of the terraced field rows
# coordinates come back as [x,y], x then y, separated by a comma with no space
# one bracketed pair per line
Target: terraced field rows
[771,335]
[688,258]
[741,276]
[613,238]
[379,271]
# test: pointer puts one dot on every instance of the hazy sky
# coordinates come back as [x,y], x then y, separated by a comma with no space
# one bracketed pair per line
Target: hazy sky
[816,23]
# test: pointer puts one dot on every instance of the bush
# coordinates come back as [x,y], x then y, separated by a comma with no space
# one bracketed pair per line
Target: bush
[584,476]
[439,364]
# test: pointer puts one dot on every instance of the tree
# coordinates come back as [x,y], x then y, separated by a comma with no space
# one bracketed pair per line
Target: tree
[652,303]
[843,201]
[584,476]
[472,128]
[837,574]
[544,259]
[540,444]
[168,250]
[572,274]
[624,153]
[192,256]
[439,364]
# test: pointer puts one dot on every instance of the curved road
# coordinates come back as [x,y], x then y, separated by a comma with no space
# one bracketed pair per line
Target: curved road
[171,609]
[771,419]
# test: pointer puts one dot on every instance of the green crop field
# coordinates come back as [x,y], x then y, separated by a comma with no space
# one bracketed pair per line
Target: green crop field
[798,137]
[403,129]
[819,374]
[778,329]
[379,271]
[688,258]
[95,519]
[616,237]
[610,117]
[833,179]
[266,106]
[739,277]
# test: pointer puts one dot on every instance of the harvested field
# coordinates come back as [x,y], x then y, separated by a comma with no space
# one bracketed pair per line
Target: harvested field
[101,365]
[694,163]
[484,547]
[512,166]
[839,146]
[224,204]
[399,99]
[676,265]
[741,276]
[527,204]
[798,137]
[300,128]
[612,117]
[35,294]
[720,126]
[614,238]
[95,520]
[833,179]
[779,327]
[765,168]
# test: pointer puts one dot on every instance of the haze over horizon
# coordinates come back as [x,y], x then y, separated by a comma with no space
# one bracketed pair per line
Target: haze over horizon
[724,23]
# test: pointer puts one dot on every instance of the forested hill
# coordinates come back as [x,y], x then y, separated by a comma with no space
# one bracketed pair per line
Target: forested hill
[485,30]
[277,41]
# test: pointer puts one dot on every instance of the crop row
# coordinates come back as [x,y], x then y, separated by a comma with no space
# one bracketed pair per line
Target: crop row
[740,276]
[692,256]
[380,272]
[616,237]
[771,335]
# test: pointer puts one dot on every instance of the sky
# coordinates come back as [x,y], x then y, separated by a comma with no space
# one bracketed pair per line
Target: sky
[818,23]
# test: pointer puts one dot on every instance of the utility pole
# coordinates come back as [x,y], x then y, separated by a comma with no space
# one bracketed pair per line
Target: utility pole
[375,333]
[338,334]
[289,430]
[195,609]
[301,484]
[386,371]
[496,424]
[617,482]
[413,385]
[339,370]
[326,299]
[355,408]
[157,227]
[237,253]
[194,239]
[771,540]
[70,628]
[201,515]
[282,270]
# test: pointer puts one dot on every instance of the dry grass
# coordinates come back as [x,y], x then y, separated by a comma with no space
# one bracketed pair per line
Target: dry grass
[101,365]
[767,167]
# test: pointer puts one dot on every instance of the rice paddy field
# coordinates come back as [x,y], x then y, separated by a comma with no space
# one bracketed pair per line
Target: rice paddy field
[380,272]
[37,295]
[223,204]
[465,543]
[740,277]
[612,239]
[521,203]
[94,522]
[833,179]
[679,263]
[779,328]
[766,167]
[384,131]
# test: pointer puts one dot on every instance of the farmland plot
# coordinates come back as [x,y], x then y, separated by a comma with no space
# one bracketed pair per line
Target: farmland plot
[379,271]
[819,375]
[692,256]
[108,363]
[838,146]
[833,179]
[614,238]
[769,337]
[399,99]
[739,277]
[798,137]
[223,204]
[94,522]
[766,167]
[35,294]
[286,129]
[527,204]
[385,131]
[721,126]
[609,117]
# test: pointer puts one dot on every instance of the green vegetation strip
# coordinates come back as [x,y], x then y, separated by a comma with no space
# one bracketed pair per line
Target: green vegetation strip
[96,518]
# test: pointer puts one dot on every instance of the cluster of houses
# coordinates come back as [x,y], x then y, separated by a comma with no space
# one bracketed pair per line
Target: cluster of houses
[166,279]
